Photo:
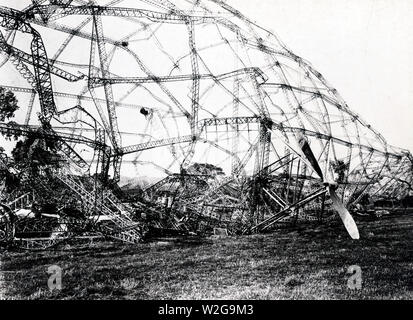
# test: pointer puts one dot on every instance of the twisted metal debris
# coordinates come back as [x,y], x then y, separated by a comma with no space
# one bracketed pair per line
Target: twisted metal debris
[240,132]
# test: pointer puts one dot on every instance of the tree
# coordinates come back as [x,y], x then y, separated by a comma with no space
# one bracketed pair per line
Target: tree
[206,169]
[29,153]
[340,168]
[34,152]
[8,104]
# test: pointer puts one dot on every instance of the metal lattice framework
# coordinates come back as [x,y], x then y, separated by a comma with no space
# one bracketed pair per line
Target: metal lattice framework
[161,86]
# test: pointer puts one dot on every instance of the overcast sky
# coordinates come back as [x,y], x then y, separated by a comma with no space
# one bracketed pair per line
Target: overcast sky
[364,48]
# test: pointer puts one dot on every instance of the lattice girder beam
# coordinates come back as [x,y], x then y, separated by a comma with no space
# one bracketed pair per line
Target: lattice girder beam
[57,12]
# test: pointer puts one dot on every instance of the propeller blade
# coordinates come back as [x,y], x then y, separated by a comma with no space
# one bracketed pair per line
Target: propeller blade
[306,149]
[345,216]
[338,205]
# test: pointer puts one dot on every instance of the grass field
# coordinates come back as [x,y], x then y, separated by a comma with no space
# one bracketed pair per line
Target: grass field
[305,263]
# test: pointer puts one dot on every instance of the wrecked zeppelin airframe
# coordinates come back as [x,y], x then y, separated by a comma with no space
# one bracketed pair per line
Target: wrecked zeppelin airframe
[220,123]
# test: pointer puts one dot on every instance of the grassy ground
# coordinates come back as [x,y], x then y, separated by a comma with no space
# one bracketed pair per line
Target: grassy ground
[289,264]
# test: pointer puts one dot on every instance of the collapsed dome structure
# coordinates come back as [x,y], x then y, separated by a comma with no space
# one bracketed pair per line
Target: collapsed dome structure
[232,124]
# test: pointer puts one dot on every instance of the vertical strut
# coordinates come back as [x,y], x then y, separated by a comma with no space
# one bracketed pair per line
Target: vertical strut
[235,136]
[113,121]
[195,73]
[30,108]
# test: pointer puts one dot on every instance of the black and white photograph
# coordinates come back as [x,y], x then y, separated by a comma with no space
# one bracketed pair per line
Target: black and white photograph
[217,151]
